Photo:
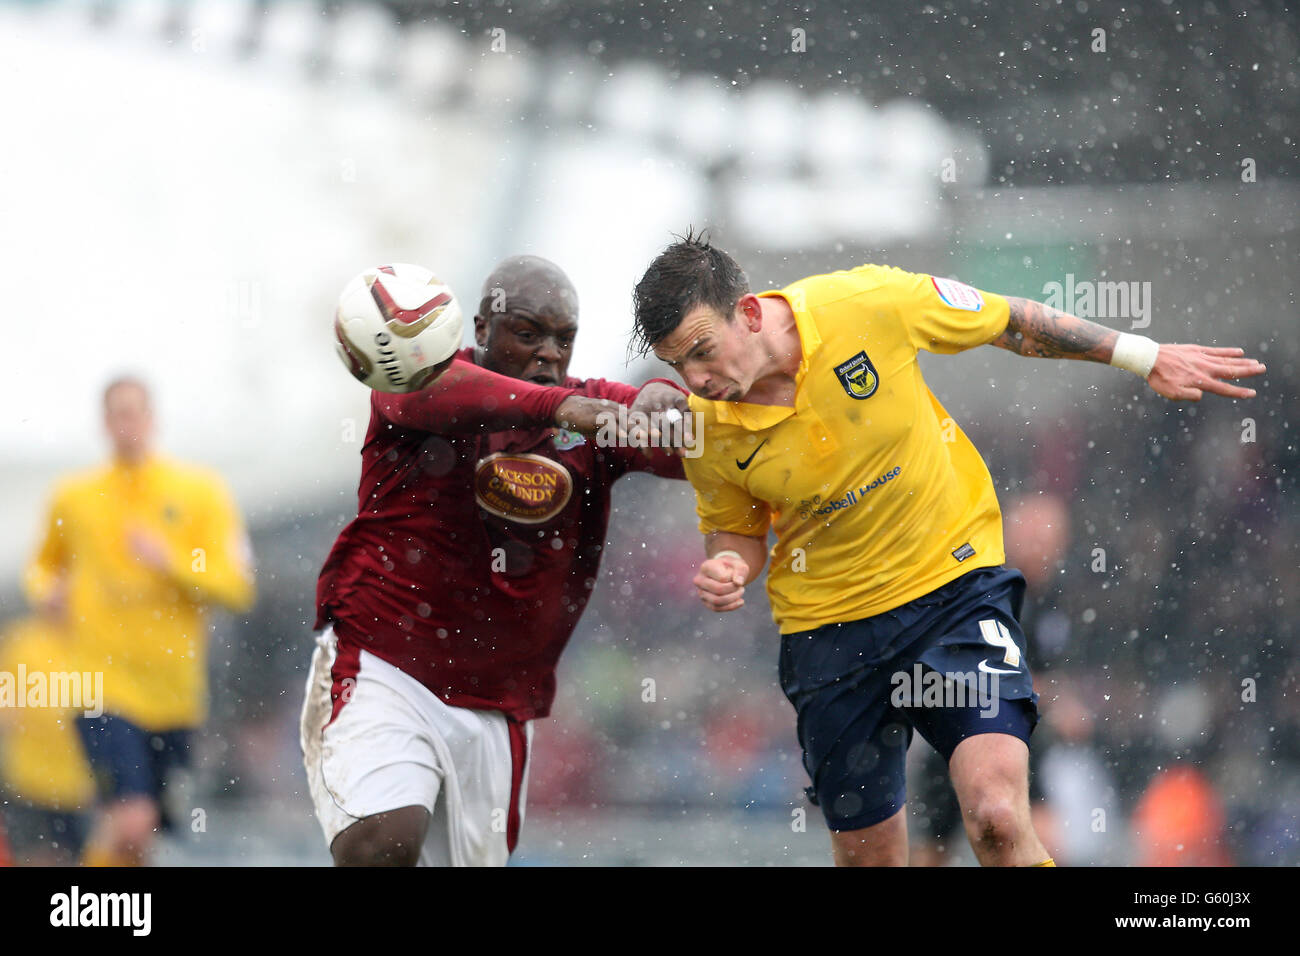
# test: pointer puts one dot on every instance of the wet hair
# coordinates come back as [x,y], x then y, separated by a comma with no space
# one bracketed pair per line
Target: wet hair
[687,274]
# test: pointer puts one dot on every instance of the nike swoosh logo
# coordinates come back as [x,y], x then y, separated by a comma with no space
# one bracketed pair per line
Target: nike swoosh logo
[984,666]
[742,465]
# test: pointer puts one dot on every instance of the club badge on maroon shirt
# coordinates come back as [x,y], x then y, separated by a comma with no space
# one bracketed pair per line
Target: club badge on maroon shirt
[522,487]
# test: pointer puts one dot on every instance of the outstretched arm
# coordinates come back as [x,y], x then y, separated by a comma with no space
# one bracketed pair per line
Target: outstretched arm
[468,399]
[1179,372]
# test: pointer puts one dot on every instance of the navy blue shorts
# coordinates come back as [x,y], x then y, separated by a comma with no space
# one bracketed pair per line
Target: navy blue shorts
[949,664]
[128,761]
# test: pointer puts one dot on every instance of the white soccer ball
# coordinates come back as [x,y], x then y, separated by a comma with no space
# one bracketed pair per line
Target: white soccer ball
[397,327]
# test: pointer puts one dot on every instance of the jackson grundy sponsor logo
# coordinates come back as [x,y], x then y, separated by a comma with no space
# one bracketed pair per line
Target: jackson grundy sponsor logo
[522,487]
[817,507]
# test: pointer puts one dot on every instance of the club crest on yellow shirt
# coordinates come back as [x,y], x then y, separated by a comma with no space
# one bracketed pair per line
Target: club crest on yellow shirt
[858,376]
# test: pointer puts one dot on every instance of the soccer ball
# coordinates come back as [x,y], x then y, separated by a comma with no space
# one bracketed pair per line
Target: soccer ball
[397,327]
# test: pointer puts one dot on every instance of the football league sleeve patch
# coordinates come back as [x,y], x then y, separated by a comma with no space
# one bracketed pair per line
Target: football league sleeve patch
[946,316]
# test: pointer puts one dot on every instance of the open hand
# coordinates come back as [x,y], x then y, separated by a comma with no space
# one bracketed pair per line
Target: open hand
[1186,372]
[667,420]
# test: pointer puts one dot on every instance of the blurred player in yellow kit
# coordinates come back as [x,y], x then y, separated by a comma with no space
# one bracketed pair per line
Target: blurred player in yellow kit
[888,571]
[46,783]
[132,553]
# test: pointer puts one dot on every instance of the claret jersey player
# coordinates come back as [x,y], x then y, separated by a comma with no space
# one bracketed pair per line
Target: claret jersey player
[444,606]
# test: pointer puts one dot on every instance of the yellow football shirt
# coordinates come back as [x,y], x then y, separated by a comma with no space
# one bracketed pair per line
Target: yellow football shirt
[144,629]
[41,757]
[875,495]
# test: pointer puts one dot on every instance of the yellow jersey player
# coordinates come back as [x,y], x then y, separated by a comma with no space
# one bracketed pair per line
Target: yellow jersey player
[886,580]
[132,553]
[46,783]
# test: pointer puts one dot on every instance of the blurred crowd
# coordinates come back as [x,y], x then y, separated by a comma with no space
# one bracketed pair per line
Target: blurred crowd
[1161,560]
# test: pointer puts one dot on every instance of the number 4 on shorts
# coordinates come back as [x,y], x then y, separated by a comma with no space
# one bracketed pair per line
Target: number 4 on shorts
[995,633]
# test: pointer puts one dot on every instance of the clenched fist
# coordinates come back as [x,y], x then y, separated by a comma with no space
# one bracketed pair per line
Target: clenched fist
[720,582]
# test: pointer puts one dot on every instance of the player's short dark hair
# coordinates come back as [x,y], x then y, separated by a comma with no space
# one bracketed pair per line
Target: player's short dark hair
[689,273]
[126,381]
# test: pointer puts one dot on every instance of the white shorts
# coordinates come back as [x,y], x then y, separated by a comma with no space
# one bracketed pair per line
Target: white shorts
[375,739]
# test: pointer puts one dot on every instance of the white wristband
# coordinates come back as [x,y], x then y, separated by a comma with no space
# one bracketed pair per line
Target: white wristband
[734,554]
[1135,353]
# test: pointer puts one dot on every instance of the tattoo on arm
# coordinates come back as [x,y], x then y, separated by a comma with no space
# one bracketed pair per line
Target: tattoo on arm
[1039,331]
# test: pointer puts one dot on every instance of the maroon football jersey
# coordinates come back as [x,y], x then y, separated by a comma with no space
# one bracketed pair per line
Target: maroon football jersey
[478,536]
